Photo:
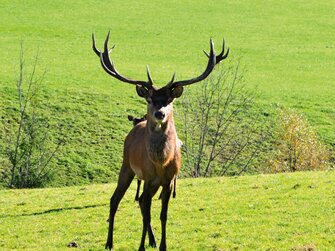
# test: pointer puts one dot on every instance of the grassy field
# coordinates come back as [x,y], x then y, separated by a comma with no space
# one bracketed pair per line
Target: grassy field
[266,212]
[286,48]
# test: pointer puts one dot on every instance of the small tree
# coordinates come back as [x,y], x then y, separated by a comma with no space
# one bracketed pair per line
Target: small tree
[222,133]
[29,147]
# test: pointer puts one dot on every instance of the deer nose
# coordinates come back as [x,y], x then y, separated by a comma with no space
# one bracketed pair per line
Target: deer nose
[159,115]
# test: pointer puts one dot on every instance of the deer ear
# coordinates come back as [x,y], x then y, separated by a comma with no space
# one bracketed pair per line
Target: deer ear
[177,92]
[142,92]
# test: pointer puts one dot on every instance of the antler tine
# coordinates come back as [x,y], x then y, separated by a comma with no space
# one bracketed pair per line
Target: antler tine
[109,67]
[211,53]
[106,42]
[212,61]
[94,47]
[206,53]
[171,81]
[149,76]
[222,55]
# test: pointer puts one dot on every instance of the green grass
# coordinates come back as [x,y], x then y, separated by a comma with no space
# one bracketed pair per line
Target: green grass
[266,212]
[286,47]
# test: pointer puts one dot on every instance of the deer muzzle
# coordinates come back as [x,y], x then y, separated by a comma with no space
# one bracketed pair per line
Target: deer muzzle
[159,115]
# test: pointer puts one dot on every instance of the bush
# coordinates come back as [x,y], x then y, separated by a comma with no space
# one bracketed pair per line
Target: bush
[297,147]
[29,147]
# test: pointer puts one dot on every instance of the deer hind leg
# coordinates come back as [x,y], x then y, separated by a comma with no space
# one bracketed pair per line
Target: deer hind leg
[174,188]
[138,190]
[166,193]
[125,178]
[145,204]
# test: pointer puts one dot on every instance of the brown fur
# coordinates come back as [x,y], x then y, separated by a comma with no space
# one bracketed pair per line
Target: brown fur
[153,155]
[135,122]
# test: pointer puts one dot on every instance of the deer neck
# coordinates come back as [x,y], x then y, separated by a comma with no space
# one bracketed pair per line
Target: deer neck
[161,140]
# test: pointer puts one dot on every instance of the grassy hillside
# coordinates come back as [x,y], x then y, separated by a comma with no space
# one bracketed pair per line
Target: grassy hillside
[267,212]
[286,47]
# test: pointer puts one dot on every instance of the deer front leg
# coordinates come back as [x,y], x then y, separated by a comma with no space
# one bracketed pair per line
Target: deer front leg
[166,193]
[152,241]
[145,204]
[125,177]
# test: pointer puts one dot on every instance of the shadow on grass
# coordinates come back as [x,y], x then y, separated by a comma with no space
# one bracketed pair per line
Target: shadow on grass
[54,210]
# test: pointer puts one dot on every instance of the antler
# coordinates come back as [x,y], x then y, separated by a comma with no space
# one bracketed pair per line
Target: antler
[109,67]
[212,61]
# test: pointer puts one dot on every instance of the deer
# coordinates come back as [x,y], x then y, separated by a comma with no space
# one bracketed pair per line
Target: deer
[151,149]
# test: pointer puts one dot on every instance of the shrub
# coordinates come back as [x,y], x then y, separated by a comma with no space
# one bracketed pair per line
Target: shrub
[296,147]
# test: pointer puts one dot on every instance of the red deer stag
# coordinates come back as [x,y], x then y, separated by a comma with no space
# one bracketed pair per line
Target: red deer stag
[151,149]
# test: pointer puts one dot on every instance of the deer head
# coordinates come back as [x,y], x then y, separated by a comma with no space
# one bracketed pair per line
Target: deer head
[159,99]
